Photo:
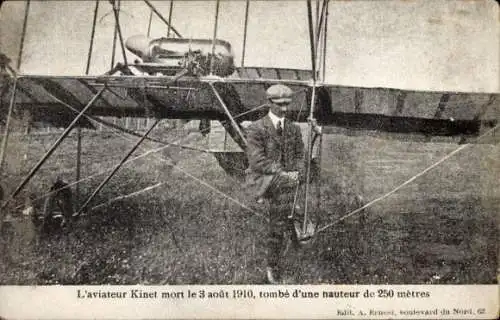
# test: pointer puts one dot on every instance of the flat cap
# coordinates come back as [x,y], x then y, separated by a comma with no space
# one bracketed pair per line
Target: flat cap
[279,93]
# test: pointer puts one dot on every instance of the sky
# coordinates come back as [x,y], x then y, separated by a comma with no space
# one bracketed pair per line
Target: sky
[421,45]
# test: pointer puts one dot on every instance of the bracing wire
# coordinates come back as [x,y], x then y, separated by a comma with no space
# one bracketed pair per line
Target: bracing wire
[151,151]
[166,144]
[202,182]
[89,177]
[182,171]
[410,180]
[117,167]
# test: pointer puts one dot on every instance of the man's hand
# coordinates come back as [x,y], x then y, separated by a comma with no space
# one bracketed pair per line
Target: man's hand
[292,175]
[316,128]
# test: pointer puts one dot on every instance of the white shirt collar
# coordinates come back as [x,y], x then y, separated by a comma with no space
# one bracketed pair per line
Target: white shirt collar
[275,119]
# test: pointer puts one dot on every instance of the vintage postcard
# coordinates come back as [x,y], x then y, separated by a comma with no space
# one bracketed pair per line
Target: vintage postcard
[249,159]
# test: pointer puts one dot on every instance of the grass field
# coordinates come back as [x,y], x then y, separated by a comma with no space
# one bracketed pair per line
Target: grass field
[441,228]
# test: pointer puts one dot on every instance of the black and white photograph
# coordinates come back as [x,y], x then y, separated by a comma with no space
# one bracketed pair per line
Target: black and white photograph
[308,142]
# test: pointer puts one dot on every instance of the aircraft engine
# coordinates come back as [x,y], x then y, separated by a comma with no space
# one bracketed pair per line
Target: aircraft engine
[195,55]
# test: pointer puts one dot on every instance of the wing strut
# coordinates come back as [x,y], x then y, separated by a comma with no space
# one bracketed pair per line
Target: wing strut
[54,146]
[118,166]
[245,34]
[7,125]
[307,230]
[170,18]
[235,125]
[312,43]
[23,35]
[4,64]
[311,113]
[116,11]
[324,42]
[149,23]
[113,49]
[217,5]
[79,129]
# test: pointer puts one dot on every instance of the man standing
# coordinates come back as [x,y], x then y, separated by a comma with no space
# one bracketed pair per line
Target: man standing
[276,158]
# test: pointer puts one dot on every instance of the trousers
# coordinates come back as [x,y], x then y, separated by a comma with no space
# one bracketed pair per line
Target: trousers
[281,202]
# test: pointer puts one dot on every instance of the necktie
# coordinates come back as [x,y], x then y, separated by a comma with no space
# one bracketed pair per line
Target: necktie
[279,130]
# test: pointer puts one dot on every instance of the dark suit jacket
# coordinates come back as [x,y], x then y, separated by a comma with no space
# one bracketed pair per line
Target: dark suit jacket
[269,154]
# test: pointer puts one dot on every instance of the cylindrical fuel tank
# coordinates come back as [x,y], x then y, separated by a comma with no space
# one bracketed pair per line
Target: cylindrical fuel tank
[173,52]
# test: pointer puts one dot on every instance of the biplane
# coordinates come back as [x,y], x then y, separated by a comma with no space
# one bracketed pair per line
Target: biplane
[174,77]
